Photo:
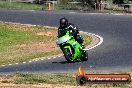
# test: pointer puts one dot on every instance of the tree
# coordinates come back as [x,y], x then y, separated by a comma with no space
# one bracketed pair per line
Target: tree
[88,2]
[118,1]
[65,1]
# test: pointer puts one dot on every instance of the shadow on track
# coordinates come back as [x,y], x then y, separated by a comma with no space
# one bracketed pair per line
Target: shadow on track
[66,62]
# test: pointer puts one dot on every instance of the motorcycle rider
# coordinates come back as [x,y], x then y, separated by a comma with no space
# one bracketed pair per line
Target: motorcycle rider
[65,26]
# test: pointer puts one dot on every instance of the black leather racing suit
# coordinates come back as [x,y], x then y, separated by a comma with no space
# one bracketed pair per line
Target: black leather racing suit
[73,30]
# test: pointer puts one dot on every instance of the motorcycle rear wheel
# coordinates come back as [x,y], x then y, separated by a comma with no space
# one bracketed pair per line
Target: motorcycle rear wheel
[84,56]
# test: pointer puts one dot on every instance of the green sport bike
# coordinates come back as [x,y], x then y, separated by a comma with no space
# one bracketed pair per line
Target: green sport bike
[71,49]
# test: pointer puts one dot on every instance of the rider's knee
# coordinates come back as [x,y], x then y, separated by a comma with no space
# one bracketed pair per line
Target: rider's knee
[79,39]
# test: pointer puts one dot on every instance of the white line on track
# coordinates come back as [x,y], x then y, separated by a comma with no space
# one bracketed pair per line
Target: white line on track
[117,14]
[72,12]
[34,25]
[42,59]
[100,42]
[2,65]
[23,62]
[49,58]
[54,57]
[29,61]
[36,60]
[94,13]
[59,56]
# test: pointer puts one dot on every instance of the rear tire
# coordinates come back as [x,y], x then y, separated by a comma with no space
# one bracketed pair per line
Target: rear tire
[84,56]
[68,55]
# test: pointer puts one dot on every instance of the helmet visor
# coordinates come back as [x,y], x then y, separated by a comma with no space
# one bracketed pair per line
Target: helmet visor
[62,24]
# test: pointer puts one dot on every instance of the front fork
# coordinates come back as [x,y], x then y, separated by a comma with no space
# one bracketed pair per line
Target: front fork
[72,52]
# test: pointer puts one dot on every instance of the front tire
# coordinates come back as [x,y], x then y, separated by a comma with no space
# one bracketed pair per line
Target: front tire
[68,55]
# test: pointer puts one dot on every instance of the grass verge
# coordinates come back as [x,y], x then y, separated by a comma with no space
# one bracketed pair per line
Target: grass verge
[59,79]
[23,6]
[20,43]
[30,6]
[45,78]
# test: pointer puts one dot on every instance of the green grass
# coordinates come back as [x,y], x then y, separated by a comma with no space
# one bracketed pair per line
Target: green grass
[7,59]
[18,5]
[44,78]
[87,39]
[10,37]
[63,6]
[30,6]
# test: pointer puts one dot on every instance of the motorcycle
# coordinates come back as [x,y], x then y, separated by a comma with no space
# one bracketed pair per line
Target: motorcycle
[71,49]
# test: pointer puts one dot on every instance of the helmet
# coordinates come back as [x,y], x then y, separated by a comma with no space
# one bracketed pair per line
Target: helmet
[63,22]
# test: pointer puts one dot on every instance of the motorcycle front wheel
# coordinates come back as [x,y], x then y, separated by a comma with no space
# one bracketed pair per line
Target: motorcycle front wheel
[68,53]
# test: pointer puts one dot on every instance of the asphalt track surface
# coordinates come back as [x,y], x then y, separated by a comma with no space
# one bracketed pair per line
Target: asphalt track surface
[113,54]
